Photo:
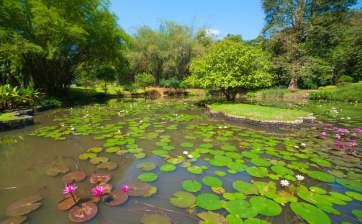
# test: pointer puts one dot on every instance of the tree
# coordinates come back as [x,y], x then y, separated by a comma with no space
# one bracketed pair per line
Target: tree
[46,43]
[231,67]
[144,79]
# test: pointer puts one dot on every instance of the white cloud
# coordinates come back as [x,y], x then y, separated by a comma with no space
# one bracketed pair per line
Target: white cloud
[212,32]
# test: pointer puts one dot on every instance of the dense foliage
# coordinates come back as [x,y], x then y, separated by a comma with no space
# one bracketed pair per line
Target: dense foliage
[11,97]
[232,67]
[313,43]
[47,43]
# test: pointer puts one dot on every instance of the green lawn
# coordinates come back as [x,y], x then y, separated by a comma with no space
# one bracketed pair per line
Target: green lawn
[7,116]
[256,112]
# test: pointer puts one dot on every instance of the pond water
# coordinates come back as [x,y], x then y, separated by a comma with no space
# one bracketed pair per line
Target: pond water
[231,171]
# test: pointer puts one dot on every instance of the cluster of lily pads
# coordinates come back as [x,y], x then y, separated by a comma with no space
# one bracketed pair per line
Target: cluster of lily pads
[267,173]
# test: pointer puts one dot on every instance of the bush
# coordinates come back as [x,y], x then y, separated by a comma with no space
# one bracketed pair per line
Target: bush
[13,97]
[171,83]
[345,79]
[152,94]
[50,102]
[142,80]
[347,92]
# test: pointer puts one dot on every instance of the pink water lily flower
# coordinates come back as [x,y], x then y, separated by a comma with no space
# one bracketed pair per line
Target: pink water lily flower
[357,130]
[97,191]
[70,188]
[342,131]
[125,188]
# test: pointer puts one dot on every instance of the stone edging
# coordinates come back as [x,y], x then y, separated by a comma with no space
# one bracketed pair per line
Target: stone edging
[270,125]
[23,118]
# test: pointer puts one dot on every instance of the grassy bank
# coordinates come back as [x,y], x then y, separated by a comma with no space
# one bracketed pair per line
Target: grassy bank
[256,112]
[347,92]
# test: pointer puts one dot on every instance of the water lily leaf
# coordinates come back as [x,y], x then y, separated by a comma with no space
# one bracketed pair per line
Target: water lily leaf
[147,177]
[146,166]
[208,201]
[265,188]
[87,155]
[57,167]
[257,171]
[167,167]
[211,218]
[358,214]
[155,219]
[182,199]
[233,219]
[354,195]
[228,147]
[340,197]
[281,170]
[260,162]
[98,160]
[85,212]
[116,197]
[265,206]
[151,192]
[15,220]
[108,165]
[187,145]
[233,196]
[67,202]
[255,221]
[321,176]
[98,178]
[113,149]
[317,190]
[160,152]
[24,206]
[139,188]
[220,173]
[191,186]
[95,149]
[220,160]
[241,208]
[351,184]
[322,162]
[195,169]
[310,213]
[245,187]
[176,160]
[75,176]
[212,181]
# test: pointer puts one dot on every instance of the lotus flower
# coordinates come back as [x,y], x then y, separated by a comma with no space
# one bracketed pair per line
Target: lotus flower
[97,191]
[284,183]
[70,188]
[125,188]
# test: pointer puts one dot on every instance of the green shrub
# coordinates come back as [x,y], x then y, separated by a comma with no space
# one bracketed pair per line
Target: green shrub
[172,83]
[13,97]
[347,92]
[345,79]
[142,80]
[50,102]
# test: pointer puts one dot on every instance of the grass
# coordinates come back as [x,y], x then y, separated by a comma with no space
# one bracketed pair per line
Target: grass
[348,93]
[7,116]
[256,112]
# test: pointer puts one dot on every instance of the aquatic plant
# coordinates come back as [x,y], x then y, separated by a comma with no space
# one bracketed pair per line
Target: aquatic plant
[97,191]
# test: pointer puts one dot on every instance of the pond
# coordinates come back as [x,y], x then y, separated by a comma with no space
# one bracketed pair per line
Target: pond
[180,166]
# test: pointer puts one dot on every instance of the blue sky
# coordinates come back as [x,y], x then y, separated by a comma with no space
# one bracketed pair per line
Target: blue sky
[222,17]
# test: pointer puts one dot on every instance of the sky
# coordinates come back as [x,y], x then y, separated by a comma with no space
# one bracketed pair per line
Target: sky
[220,17]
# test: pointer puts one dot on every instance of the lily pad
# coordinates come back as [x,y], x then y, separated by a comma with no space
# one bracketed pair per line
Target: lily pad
[244,187]
[321,176]
[211,218]
[138,189]
[75,176]
[167,167]
[195,169]
[98,160]
[281,170]
[212,181]
[147,177]
[152,191]
[255,221]
[15,220]
[57,167]
[85,212]
[310,213]
[155,219]
[357,214]
[116,197]
[240,208]
[265,206]
[146,166]
[24,206]
[191,186]
[95,149]
[97,178]
[108,165]
[87,155]
[260,162]
[182,199]
[354,195]
[67,202]
[208,201]
[186,145]
[257,171]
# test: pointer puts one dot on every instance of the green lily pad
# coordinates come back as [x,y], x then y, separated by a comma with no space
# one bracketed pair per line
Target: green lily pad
[321,176]
[233,219]
[187,145]
[167,167]
[191,186]
[212,181]
[281,170]
[245,187]
[241,208]
[322,162]
[257,171]
[351,184]
[358,214]
[260,162]
[87,155]
[113,149]
[155,219]
[354,195]
[208,201]
[146,166]
[95,149]
[147,177]
[182,199]
[195,169]
[211,218]
[339,196]
[228,147]
[310,213]
[255,221]
[265,206]
[317,190]
[220,173]
[98,160]
[234,196]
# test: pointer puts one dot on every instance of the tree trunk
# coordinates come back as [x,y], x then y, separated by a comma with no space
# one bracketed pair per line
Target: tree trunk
[230,93]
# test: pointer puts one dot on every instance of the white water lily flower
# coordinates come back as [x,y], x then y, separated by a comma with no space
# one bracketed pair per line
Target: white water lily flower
[303,144]
[296,147]
[299,177]
[72,129]
[190,156]
[284,183]
[185,152]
